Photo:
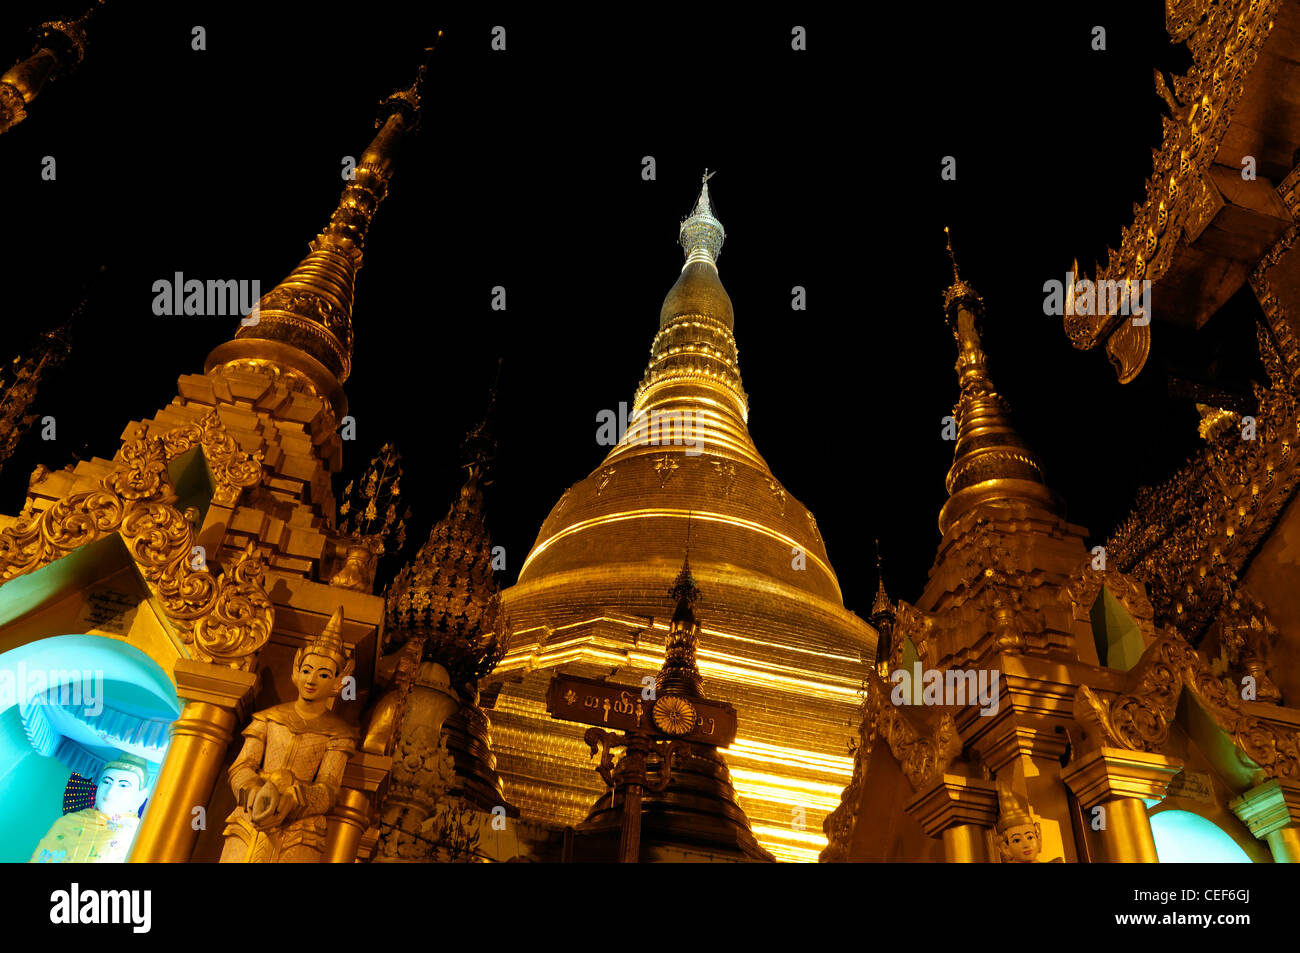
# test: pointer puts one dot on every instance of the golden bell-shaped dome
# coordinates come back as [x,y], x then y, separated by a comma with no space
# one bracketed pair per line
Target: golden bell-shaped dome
[780,645]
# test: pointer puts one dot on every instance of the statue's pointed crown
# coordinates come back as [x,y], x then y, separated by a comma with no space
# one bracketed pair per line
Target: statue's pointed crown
[1011,813]
[329,644]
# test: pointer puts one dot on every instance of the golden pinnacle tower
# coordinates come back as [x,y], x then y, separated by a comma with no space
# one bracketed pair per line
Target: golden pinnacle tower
[236,470]
[779,644]
[303,326]
[695,816]
[991,461]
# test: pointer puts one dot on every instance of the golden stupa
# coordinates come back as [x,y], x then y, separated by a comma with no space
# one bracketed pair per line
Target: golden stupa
[778,643]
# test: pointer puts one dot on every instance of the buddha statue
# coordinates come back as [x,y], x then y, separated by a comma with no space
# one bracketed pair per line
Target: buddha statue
[287,776]
[101,834]
[1019,835]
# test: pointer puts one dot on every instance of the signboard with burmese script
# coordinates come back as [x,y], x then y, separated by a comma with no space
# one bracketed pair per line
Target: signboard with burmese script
[622,708]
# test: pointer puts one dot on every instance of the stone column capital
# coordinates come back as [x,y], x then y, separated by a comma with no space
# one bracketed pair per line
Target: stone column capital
[1104,774]
[213,684]
[1269,808]
[951,800]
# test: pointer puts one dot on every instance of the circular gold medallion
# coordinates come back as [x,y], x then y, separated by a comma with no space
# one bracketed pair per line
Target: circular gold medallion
[674,716]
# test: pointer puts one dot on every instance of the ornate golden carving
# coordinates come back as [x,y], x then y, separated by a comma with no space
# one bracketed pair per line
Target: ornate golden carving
[1138,719]
[1289,190]
[665,466]
[921,755]
[224,620]
[1188,539]
[1085,585]
[238,621]
[1224,39]
[1278,347]
[839,824]
[912,623]
[1246,638]
[233,469]
[726,472]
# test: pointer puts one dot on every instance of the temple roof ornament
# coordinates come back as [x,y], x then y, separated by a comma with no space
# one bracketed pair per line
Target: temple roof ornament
[60,46]
[305,322]
[1191,537]
[702,234]
[447,596]
[882,604]
[680,674]
[1224,40]
[991,462]
[694,354]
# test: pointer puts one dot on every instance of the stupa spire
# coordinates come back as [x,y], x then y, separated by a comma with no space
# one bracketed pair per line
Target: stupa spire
[692,387]
[305,322]
[680,674]
[882,602]
[991,462]
[701,234]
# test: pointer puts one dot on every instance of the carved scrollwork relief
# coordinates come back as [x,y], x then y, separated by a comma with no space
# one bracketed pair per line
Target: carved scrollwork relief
[224,620]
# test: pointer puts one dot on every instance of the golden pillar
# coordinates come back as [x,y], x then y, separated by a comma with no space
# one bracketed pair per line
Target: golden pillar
[216,697]
[1118,781]
[347,822]
[1272,813]
[350,818]
[961,811]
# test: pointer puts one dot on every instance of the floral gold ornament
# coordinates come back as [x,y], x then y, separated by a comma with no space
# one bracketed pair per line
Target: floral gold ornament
[1224,40]
[674,716]
[370,518]
[224,620]
[232,469]
[1139,718]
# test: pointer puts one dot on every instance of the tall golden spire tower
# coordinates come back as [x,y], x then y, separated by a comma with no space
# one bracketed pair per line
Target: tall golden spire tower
[304,325]
[236,471]
[991,461]
[778,643]
[695,817]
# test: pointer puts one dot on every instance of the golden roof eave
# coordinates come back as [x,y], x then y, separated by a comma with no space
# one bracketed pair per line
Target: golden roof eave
[1225,45]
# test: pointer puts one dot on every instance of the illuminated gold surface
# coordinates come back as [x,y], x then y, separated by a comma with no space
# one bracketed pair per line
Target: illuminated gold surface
[777,641]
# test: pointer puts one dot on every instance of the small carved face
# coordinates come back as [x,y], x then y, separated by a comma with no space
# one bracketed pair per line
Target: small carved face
[316,677]
[1022,844]
[118,792]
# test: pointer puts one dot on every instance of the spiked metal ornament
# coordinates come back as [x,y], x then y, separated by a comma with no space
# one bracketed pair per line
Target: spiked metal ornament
[702,235]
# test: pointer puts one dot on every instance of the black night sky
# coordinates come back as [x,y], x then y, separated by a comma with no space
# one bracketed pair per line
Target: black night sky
[225,163]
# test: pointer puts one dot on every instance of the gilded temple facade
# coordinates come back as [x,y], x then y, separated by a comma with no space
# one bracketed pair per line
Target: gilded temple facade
[776,642]
[1144,706]
[674,676]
